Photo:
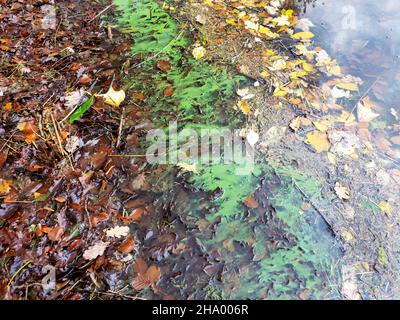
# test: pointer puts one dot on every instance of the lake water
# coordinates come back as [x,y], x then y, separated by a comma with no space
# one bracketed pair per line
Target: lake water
[363,35]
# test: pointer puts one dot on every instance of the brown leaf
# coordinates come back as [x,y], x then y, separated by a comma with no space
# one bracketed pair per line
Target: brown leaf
[140,266]
[127,246]
[164,65]
[250,202]
[139,96]
[168,92]
[153,274]
[55,233]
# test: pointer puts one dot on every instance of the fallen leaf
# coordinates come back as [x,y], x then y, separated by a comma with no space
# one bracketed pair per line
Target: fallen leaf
[251,203]
[153,274]
[365,114]
[319,141]
[199,52]
[347,235]
[55,233]
[4,186]
[342,192]
[168,91]
[386,207]
[252,138]
[164,65]
[127,246]
[305,35]
[382,256]
[95,251]
[118,232]
[244,107]
[113,97]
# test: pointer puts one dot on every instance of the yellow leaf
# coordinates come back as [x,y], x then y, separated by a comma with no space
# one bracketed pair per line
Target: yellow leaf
[244,107]
[267,32]
[231,21]
[332,158]
[319,141]
[113,98]
[199,52]
[4,186]
[348,86]
[347,235]
[280,92]
[386,207]
[297,74]
[308,67]
[322,125]
[335,70]
[303,35]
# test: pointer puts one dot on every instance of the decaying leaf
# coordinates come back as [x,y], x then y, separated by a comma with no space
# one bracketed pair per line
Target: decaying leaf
[95,251]
[342,192]
[365,114]
[118,232]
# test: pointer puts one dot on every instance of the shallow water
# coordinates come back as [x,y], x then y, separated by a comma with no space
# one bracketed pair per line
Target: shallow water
[363,36]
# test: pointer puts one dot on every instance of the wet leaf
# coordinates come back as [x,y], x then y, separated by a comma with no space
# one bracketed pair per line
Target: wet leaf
[342,192]
[386,207]
[382,256]
[305,35]
[319,141]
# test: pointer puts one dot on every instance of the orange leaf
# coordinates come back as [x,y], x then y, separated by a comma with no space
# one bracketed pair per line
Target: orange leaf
[127,246]
[55,233]
[153,273]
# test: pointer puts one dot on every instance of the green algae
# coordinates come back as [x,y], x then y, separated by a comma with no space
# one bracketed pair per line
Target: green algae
[200,93]
[200,90]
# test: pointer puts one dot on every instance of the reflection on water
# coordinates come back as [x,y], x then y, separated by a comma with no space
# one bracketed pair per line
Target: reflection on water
[363,35]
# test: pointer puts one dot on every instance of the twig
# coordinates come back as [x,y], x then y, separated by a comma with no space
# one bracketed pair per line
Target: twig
[61,149]
[121,125]
[18,271]
[101,12]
